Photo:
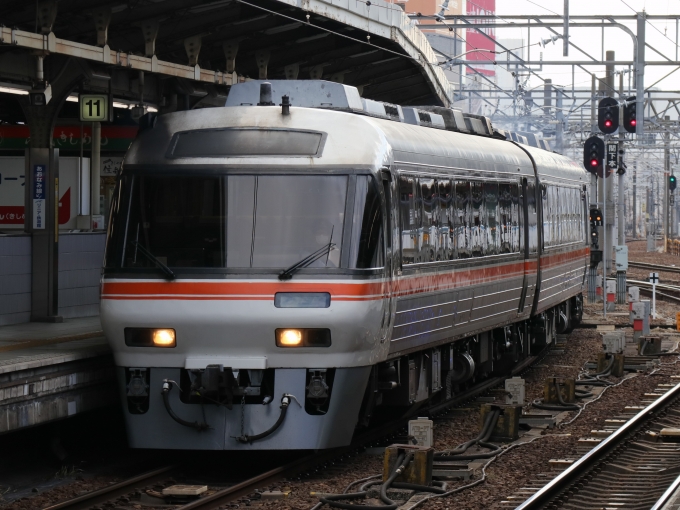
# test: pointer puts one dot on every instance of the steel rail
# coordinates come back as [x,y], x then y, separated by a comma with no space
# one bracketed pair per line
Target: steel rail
[590,460]
[308,462]
[114,491]
[229,494]
[666,496]
[662,286]
[647,287]
[657,267]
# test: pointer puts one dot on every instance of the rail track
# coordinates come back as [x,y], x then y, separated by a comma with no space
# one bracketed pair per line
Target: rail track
[671,292]
[303,465]
[632,468]
[653,267]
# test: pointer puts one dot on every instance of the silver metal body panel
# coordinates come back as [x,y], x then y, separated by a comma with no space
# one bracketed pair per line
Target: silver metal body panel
[429,303]
[299,430]
[237,324]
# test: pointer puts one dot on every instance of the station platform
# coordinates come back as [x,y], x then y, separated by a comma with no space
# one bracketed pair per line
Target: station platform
[50,371]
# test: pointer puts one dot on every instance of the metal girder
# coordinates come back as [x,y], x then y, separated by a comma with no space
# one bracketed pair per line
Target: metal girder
[607,17]
[570,62]
[51,44]
[389,23]
[46,14]
[102,19]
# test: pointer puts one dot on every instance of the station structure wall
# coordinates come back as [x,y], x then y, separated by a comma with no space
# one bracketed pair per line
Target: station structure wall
[15,279]
[80,262]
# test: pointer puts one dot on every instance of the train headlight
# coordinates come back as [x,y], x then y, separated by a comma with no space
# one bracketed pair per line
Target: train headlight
[303,337]
[164,337]
[150,337]
[288,337]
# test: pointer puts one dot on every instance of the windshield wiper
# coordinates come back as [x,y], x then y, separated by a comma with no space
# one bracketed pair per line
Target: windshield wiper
[153,259]
[325,250]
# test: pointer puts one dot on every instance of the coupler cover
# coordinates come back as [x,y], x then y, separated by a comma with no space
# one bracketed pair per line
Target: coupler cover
[419,470]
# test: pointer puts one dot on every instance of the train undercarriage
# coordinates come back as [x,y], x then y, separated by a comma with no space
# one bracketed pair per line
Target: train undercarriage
[439,373]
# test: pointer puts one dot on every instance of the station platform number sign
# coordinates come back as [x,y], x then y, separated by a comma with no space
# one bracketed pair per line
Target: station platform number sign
[94,107]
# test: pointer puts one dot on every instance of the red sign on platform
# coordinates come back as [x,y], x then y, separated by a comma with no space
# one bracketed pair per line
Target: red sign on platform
[12,214]
[479,41]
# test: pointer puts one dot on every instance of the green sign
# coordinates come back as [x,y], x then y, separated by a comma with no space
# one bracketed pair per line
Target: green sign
[94,107]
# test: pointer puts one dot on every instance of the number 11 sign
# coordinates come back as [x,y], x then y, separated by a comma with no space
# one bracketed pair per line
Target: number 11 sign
[94,107]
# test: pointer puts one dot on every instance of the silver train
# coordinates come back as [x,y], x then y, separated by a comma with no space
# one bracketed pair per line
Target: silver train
[276,276]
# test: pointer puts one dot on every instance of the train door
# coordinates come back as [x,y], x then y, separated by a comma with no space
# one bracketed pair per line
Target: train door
[392,233]
[529,240]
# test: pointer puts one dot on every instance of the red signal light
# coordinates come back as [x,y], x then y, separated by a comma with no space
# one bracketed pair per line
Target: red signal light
[593,162]
[633,122]
[608,123]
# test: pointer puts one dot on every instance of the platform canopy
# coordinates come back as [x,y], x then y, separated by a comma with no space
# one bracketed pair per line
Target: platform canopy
[197,48]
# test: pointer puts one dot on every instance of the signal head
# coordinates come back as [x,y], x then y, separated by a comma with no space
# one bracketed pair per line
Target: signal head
[608,115]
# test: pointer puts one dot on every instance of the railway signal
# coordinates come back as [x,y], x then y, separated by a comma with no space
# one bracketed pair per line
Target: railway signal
[629,115]
[608,115]
[672,182]
[595,221]
[593,154]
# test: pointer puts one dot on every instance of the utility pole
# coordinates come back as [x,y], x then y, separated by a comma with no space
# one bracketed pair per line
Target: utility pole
[608,195]
[565,30]
[620,213]
[666,174]
[635,202]
[559,127]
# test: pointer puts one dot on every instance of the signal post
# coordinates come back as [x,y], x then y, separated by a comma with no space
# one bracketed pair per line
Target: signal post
[600,158]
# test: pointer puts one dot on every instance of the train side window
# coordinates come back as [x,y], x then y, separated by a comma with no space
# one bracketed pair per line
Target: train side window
[514,219]
[558,216]
[430,245]
[518,217]
[367,235]
[533,217]
[445,227]
[547,216]
[462,220]
[479,219]
[491,208]
[409,216]
[568,230]
[504,223]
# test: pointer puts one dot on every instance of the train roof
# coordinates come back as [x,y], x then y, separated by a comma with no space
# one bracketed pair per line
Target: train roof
[350,132]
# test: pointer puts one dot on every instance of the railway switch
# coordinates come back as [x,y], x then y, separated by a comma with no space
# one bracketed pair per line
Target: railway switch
[516,391]
[649,345]
[567,390]
[641,313]
[421,430]
[418,471]
[611,295]
[507,426]
[603,361]
[614,342]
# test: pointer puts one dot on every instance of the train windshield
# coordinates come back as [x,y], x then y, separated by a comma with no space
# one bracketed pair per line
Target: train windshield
[235,221]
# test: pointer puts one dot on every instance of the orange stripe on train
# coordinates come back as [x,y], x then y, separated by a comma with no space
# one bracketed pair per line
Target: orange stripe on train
[404,286]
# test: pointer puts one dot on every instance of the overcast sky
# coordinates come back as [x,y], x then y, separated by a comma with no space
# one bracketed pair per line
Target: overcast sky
[661,34]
